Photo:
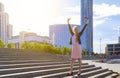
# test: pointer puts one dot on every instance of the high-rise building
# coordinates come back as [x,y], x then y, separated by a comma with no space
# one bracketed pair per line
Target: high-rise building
[87,11]
[59,34]
[9,27]
[1,7]
[5,30]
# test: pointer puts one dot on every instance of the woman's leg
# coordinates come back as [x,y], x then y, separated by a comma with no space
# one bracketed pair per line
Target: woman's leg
[71,66]
[80,63]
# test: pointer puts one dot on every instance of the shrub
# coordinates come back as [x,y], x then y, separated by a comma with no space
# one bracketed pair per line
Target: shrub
[2,45]
[45,47]
[11,45]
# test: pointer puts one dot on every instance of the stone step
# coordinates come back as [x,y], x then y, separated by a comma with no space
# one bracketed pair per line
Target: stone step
[33,64]
[113,75]
[30,57]
[33,57]
[58,58]
[102,75]
[17,54]
[110,75]
[92,73]
[37,72]
[32,68]
[23,61]
[18,63]
[20,54]
[64,74]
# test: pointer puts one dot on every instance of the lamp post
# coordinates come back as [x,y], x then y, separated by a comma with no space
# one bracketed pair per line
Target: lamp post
[100,50]
[119,31]
[100,45]
[119,35]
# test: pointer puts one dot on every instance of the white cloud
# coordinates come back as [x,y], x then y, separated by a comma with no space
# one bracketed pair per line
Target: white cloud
[75,19]
[75,9]
[98,21]
[69,12]
[98,34]
[103,11]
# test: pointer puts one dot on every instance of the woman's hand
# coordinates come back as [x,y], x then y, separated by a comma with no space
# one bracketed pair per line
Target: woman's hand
[68,19]
[87,20]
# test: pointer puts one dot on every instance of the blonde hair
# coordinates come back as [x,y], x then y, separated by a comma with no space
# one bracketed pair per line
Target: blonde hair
[74,28]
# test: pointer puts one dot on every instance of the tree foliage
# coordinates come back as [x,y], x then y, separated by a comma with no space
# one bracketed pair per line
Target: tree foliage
[11,45]
[2,45]
[45,47]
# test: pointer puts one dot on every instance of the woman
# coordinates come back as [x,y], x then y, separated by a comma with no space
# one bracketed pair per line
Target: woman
[76,45]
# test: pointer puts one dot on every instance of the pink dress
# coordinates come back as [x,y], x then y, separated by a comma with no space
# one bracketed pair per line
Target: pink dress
[76,48]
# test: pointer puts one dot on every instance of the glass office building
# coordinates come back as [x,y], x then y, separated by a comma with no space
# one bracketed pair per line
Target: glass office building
[112,49]
[87,11]
[59,35]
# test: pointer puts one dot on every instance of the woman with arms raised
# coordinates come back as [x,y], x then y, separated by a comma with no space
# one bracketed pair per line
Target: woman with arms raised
[76,45]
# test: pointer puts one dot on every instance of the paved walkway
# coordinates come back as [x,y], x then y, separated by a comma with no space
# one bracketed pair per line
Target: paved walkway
[114,67]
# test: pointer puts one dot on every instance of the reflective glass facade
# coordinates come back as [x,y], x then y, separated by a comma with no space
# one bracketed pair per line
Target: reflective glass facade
[87,11]
[59,35]
[113,48]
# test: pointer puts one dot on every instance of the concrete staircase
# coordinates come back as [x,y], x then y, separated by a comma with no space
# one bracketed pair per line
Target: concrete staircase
[15,63]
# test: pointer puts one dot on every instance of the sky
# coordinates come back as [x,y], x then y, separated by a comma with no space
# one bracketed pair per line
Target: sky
[37,15]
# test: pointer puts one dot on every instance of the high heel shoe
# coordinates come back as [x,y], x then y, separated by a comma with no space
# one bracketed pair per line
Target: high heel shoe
[70,74]
[79,73]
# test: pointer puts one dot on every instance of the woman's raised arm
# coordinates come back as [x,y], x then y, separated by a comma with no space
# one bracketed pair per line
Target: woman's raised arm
[69,26]
[87,21]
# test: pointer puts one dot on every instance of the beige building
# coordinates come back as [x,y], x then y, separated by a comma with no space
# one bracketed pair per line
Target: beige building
[28,36]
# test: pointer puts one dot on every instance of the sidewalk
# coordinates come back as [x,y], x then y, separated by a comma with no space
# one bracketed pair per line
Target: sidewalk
[114,67]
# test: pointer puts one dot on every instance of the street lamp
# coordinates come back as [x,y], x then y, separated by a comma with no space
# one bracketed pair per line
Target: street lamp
[100,50]
[100,45]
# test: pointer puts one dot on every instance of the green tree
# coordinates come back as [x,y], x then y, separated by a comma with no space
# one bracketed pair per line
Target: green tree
[2,45]
[66,50]
[45,47]
[56,50]
[84,52]
[26,45]
[36,46]
[11,45]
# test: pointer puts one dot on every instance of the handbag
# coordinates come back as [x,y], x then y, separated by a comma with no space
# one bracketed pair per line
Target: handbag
[70,41]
